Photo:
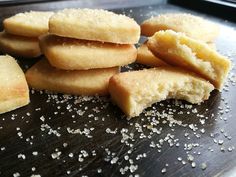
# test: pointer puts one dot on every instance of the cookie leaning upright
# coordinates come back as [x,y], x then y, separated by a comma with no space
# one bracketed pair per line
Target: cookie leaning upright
[96,25]
[177,49]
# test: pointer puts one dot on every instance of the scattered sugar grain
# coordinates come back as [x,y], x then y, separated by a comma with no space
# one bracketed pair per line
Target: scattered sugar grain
[163,170]
[203,166]
[17,174]
[193,164]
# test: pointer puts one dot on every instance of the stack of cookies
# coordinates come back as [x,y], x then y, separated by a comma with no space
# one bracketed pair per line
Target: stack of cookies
[83,49]
[21,32]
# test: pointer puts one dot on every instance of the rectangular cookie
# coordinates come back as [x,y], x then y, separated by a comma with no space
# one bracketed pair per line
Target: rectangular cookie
[42,76]
[14,45]
[191,25]
[95,25]
[75,54]
[28,24]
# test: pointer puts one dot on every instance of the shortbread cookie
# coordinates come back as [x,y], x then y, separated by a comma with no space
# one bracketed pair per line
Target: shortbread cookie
[19,45]
[29,24]
[43,76]
[75,54]
[96,25]
[193,26]
[179,50]
[136,90]
[14,92]
[146,57]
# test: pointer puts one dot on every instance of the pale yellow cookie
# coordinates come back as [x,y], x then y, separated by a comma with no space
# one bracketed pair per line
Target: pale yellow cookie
[42,76]
[193,26]
[14,92]
[75,54]
[179,50]
[29,24]
[96,25]
[136,90]
[19,45]
[146,57]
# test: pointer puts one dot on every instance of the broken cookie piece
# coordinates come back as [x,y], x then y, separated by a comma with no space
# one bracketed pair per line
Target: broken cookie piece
[14,89]
[136,90]
[177,49]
